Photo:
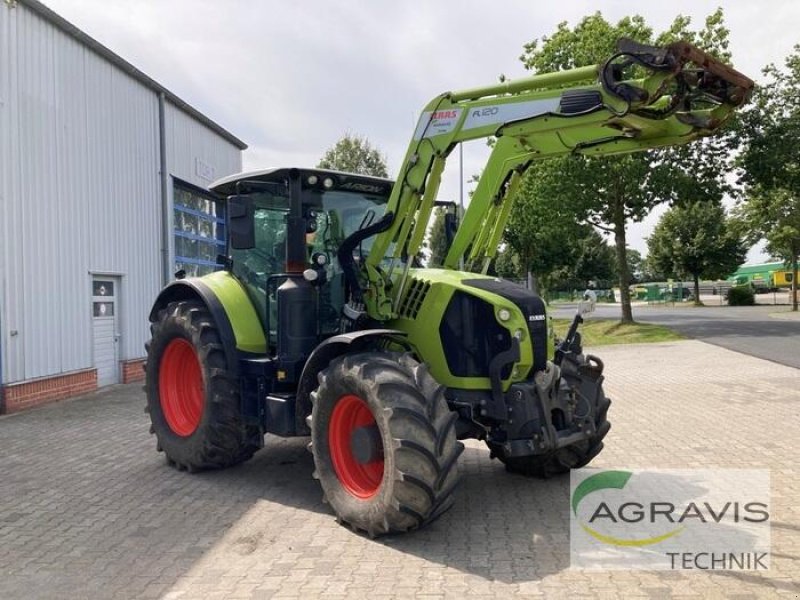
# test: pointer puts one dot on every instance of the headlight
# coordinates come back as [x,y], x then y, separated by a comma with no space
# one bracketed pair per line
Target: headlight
[504,314]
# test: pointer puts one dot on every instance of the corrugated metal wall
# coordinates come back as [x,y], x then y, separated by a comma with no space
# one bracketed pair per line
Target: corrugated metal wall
[5,177]
[195,153]
[80,194]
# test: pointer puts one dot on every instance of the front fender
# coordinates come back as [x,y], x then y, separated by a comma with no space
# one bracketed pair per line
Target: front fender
[324,354]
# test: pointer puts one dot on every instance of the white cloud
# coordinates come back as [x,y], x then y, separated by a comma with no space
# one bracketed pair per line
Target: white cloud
[290,78]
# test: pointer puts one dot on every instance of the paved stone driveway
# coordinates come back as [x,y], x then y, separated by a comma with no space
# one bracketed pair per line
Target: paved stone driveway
[89,510]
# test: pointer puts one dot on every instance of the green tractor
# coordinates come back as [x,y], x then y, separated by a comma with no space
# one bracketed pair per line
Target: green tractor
[323,324]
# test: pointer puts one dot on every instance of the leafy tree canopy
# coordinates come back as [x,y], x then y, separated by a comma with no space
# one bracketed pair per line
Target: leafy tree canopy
[593,266]
[635,264]
[770,163]
[698,241]
[437,239]
[354,154]
[610,191]
[542,230]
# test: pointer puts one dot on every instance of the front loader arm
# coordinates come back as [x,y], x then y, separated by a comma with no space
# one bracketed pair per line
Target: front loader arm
[680,94]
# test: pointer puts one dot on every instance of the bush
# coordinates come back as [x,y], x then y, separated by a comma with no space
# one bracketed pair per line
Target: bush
[741,295]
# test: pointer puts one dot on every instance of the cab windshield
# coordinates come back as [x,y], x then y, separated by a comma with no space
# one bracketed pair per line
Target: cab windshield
[331,217]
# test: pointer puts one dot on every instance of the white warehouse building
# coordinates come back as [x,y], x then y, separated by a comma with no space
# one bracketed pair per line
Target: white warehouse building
[102,194]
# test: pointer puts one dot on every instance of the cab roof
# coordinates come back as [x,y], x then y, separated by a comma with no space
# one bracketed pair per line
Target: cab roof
[342,181]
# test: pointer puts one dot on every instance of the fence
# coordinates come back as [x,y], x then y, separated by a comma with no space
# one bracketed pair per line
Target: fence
[577,295]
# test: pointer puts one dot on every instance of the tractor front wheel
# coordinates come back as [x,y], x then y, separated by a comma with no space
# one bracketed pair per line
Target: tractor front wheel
[192,397]
[384,442]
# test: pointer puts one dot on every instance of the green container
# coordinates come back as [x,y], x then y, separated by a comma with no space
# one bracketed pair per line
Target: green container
[654,293]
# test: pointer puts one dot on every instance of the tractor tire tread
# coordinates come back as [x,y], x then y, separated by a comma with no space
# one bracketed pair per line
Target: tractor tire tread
[420,446]
[222,439]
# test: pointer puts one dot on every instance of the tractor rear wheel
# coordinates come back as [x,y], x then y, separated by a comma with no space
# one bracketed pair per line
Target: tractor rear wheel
[192,397]
[384,442]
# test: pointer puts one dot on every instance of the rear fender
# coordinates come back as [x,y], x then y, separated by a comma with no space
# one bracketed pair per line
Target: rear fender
[229,305]
[193,289]
[237,324]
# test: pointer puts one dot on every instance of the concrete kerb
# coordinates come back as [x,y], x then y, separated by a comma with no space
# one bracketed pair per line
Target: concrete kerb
[786,315]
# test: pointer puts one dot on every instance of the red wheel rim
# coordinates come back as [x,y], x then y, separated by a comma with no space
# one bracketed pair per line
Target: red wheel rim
[180,387]
[361,480]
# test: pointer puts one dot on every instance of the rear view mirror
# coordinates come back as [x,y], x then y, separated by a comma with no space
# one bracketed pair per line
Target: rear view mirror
[241,223]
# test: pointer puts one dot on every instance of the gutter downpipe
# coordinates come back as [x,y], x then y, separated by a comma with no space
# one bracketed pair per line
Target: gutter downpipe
[2,387]
[166,267]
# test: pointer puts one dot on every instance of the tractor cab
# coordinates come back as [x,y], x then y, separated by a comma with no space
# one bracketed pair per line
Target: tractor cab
[289,224]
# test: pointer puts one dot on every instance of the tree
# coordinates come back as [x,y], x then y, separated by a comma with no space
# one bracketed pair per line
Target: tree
[437,239]
[651,272]
[541,230]
[354,154]
[507,264]
[696,240]
[635,264]
[774,215]
[770,163]
[596,260]
[609,192]
[593,265]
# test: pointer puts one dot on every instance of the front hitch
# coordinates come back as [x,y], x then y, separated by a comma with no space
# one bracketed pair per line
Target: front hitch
[562,405]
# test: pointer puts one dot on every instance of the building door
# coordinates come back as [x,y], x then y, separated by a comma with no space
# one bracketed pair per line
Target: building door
[105,318]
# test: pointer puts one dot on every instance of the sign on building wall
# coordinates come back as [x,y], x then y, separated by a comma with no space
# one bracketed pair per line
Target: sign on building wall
[203,170]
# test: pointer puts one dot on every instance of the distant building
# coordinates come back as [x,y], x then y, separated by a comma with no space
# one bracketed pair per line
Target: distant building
[766,276]
[102,191]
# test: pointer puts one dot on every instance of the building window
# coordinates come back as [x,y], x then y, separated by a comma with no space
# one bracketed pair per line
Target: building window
[199,230]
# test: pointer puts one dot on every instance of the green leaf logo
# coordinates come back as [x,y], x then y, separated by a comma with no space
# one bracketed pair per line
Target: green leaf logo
[615,480]
[600,481]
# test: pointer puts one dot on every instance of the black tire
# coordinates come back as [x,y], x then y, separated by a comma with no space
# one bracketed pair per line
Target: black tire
[416,434]
[198,424]
[564,459]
